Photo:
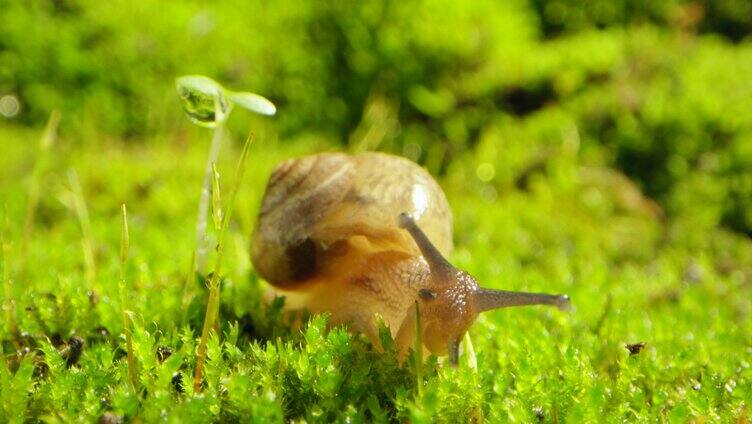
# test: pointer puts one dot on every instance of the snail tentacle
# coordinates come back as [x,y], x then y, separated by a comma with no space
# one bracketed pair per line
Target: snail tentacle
[440,267]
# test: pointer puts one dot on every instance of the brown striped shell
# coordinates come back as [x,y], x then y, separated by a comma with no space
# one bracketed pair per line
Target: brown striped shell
[314,203]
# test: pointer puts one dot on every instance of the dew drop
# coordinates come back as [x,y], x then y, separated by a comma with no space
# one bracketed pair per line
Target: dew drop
[485,172]
[198,95]
[412,151]
[9,106]
[489,193]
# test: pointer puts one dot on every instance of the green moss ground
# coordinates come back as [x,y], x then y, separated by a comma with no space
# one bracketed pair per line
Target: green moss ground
[633,277]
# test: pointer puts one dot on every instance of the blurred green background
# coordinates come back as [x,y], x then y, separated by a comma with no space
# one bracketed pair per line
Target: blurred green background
[600,150]
[659,90]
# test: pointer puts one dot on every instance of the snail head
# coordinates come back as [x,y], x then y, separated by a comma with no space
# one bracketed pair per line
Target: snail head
[452,299]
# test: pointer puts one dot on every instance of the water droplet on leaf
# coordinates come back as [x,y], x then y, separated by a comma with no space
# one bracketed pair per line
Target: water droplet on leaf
[200,96]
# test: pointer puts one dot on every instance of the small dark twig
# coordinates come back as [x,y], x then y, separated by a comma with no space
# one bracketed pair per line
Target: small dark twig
[634,348]
[72,352]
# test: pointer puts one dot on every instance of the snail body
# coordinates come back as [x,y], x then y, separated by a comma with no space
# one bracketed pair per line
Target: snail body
[365,235]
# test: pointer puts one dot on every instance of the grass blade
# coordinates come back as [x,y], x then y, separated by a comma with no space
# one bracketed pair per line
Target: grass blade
[45,144]
[418,353]
[7,284]
[124,244]
[87,240]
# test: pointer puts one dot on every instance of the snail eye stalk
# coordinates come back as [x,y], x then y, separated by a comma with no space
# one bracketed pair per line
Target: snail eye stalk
[486,299]
[440,267]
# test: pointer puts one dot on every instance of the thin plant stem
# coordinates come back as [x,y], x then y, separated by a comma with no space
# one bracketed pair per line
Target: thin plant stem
[203,204]
[87,241]
[472,360]
[8,286]
[45,144]
[212,305]
[418,353]
[124,243]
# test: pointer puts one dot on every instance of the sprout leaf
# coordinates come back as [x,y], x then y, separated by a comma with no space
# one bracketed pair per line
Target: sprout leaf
[254,103]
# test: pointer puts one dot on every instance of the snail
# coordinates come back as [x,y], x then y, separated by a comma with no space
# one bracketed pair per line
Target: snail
[366,235]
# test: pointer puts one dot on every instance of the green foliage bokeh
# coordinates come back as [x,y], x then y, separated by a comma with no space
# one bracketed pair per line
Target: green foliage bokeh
[659,90]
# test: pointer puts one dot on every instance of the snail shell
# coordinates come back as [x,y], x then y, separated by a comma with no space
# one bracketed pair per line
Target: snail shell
[317,203]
